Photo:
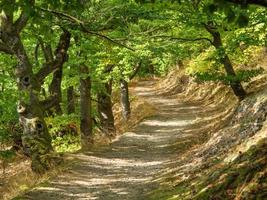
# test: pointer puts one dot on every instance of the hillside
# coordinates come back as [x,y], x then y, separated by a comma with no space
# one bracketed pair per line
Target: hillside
[230,163]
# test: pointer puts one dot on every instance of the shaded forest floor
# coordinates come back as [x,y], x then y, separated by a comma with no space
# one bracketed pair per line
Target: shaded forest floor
[126,168]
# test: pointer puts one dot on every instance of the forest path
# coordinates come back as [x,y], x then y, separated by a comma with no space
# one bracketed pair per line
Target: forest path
[126,168]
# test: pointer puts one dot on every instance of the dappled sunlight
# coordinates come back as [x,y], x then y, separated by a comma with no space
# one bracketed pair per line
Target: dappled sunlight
[116,162]
[231,132]
[167,123]
[174,130]
[127,167]
[149,138]
[161,150]
[51,189]
[108,181]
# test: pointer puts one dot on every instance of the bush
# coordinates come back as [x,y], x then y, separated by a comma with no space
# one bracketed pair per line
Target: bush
[65,132]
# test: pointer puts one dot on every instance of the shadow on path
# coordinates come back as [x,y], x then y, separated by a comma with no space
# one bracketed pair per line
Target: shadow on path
[125,169]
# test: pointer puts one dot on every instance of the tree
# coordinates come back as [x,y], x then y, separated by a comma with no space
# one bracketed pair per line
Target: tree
[225,60]
[211,23]
[36,139]
[86,121]
[124,90]
[104,105]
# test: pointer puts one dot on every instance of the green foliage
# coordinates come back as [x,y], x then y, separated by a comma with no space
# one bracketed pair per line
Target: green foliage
[65,132]
[8,113]
[67,143]
[56,123]
[242,76]
[6,155]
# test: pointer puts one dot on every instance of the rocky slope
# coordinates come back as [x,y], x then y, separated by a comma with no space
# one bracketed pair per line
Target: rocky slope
[231,163]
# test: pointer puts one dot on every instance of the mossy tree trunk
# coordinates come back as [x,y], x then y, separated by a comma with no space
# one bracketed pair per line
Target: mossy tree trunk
[104,108]
[125,102]
[124,90]
[70,100]
[180,64]
[35,139]
[55,89]
[55,85]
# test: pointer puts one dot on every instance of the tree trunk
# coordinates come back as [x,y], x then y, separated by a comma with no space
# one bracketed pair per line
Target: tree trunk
[180,64]
[136,70]
[235,85]
[105,112]
[58,59]
[228,67]
[125,102]
[85,108]
[35,139]
[70,100]
[55,90]
[151,69]
[3,82]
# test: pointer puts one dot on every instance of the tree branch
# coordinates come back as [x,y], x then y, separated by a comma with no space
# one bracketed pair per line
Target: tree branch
[108,68]
[21,22]
[184,39]
[47,51]
[63,15]
[49,103]
[36,52]
[61,56]
[136,70]
[83,28]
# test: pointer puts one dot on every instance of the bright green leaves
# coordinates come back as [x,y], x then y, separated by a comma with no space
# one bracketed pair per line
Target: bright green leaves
[241,75]
[66,5]
[236,15]
[65,131]
[9,7]
[226,14]
[8,115]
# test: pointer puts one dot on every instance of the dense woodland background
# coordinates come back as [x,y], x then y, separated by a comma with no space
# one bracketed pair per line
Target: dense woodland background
[63,64]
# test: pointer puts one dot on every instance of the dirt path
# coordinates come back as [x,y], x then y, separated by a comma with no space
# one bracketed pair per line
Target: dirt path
[126,168]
